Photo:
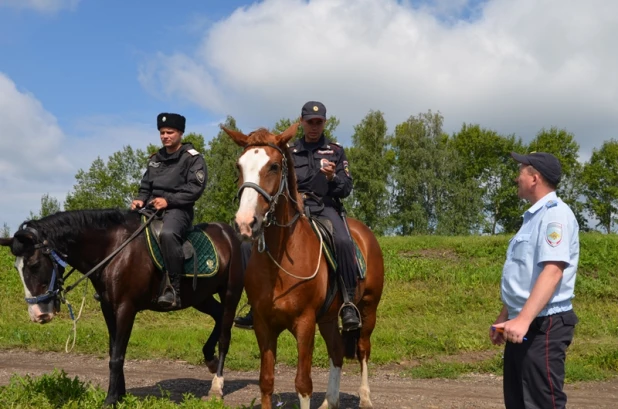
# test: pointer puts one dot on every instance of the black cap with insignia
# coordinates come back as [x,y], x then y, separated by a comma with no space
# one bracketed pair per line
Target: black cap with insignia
[168,120]
[546,163]
[312,110]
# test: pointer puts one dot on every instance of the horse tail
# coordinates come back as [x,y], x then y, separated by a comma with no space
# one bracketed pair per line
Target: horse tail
[350,343]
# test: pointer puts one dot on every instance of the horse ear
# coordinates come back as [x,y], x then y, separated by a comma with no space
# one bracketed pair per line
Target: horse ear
[288,134]
[238,137]
[6,241]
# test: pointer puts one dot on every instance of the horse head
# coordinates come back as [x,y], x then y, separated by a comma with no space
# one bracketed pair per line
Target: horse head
[39,272]
[263,177]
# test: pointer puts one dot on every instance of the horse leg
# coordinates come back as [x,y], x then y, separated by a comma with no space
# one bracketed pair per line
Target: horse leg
[230,298]
[119,325]
[304,332]
[364,352]
[267,342]
[213,308]
[334,346]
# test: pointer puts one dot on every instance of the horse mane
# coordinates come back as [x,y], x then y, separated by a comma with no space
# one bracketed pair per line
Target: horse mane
[262,136]
[62,228]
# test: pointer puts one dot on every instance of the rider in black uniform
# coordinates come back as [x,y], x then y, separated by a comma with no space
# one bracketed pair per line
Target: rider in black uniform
[321,168]
[174,180]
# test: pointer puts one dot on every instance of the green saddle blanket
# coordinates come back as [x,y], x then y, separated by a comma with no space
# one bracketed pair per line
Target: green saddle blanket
[207,257]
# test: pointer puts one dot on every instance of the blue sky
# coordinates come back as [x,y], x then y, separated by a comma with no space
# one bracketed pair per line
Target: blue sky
[81,78]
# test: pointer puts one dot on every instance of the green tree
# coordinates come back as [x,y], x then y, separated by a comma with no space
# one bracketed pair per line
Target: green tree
[486,160]
[217,202]
[600,180]
[430,194]
[562,144]
[371,161]
[5,233]
[49,205]
[111,184]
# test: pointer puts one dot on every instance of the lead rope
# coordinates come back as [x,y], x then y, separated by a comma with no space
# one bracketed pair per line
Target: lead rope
[73,333]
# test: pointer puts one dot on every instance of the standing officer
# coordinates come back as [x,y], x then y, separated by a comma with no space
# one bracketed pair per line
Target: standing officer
[174,180]
[537,319]
[321,168]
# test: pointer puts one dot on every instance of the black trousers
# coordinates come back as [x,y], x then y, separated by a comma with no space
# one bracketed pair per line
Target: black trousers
[534,369]
[176,224]
[346,254]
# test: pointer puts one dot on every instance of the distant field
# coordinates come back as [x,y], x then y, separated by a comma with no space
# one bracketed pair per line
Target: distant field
[441,295]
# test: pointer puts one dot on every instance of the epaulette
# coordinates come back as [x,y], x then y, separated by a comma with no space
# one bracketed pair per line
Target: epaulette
[152,155]
[193,152]
[551,203]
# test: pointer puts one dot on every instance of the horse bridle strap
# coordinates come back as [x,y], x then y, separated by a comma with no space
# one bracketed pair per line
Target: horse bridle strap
[283,187]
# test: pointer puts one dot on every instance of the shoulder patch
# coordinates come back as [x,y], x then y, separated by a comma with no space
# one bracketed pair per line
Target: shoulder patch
[193,152]
[551,203]
[553,234]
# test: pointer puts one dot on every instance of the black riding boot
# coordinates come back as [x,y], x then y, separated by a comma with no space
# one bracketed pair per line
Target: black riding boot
[171,296]
[349,314]
[245,322]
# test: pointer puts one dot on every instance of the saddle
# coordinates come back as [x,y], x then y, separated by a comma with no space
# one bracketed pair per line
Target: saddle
[201,258]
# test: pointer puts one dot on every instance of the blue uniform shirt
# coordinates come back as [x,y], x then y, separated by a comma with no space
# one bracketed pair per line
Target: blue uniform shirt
[549,233]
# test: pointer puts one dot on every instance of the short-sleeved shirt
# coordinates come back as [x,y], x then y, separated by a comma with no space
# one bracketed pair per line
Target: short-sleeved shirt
[550,233]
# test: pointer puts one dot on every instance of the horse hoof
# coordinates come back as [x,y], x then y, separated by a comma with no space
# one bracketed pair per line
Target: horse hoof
[366,405]
[216,388]
[212,365]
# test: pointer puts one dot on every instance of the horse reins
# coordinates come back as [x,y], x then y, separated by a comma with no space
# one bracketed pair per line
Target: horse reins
[57,261]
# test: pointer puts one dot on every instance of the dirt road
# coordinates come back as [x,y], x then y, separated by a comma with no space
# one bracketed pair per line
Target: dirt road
[388,389]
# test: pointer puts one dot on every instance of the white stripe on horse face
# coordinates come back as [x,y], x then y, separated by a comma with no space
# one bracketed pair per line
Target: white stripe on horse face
[19,265]
[250,165]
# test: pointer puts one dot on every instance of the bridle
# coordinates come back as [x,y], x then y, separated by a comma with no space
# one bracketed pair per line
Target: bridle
[54,289]
[269,216]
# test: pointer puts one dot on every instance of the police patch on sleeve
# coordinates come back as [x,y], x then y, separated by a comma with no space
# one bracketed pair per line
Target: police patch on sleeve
[346,168]
[200,176]
[553,235]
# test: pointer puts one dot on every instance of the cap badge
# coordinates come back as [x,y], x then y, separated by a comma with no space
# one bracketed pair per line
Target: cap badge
[315,108]
[163,119]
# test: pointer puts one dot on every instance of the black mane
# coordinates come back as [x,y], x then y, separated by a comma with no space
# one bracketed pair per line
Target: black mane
[63,227]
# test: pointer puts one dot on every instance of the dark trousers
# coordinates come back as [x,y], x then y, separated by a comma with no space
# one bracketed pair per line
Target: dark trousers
[176,223]
[346,254]
[534,369]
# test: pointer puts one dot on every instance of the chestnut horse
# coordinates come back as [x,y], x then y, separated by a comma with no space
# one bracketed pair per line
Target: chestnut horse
[287,276]
[128,283]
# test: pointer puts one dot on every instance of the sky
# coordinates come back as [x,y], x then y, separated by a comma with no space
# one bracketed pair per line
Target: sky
[80,79]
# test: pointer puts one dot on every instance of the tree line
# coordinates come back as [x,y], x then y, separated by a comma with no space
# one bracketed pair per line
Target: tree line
[415,180]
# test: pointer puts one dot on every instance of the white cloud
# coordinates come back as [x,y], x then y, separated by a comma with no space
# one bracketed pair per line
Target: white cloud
[516,67]
[44,6]
[38,157]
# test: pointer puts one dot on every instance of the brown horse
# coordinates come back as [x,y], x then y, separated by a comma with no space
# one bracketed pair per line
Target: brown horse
[127,284]
[287,276]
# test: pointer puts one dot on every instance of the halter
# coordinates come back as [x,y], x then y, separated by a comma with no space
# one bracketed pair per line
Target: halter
[269,216]
[55,284]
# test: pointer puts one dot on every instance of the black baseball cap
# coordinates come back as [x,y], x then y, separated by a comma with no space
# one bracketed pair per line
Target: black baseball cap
[312,110]
[546,163]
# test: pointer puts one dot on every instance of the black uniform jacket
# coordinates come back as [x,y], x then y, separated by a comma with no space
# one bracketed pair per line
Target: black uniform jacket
[307,164]
[179,178]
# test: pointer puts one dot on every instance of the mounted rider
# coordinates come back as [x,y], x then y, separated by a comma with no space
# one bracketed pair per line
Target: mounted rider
[174,180]
[323,176]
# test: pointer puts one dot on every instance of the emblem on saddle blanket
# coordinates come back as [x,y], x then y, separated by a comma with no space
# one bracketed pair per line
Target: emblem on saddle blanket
[205,260]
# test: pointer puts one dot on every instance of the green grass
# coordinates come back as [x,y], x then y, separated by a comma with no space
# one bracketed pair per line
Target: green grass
[440,297]
[58,391]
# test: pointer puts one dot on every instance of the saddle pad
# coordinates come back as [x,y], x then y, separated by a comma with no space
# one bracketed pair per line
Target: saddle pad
[332,260]
[207,257]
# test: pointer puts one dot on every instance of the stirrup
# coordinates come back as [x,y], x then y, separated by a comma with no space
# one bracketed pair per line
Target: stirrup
[174,303]
[340,319]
